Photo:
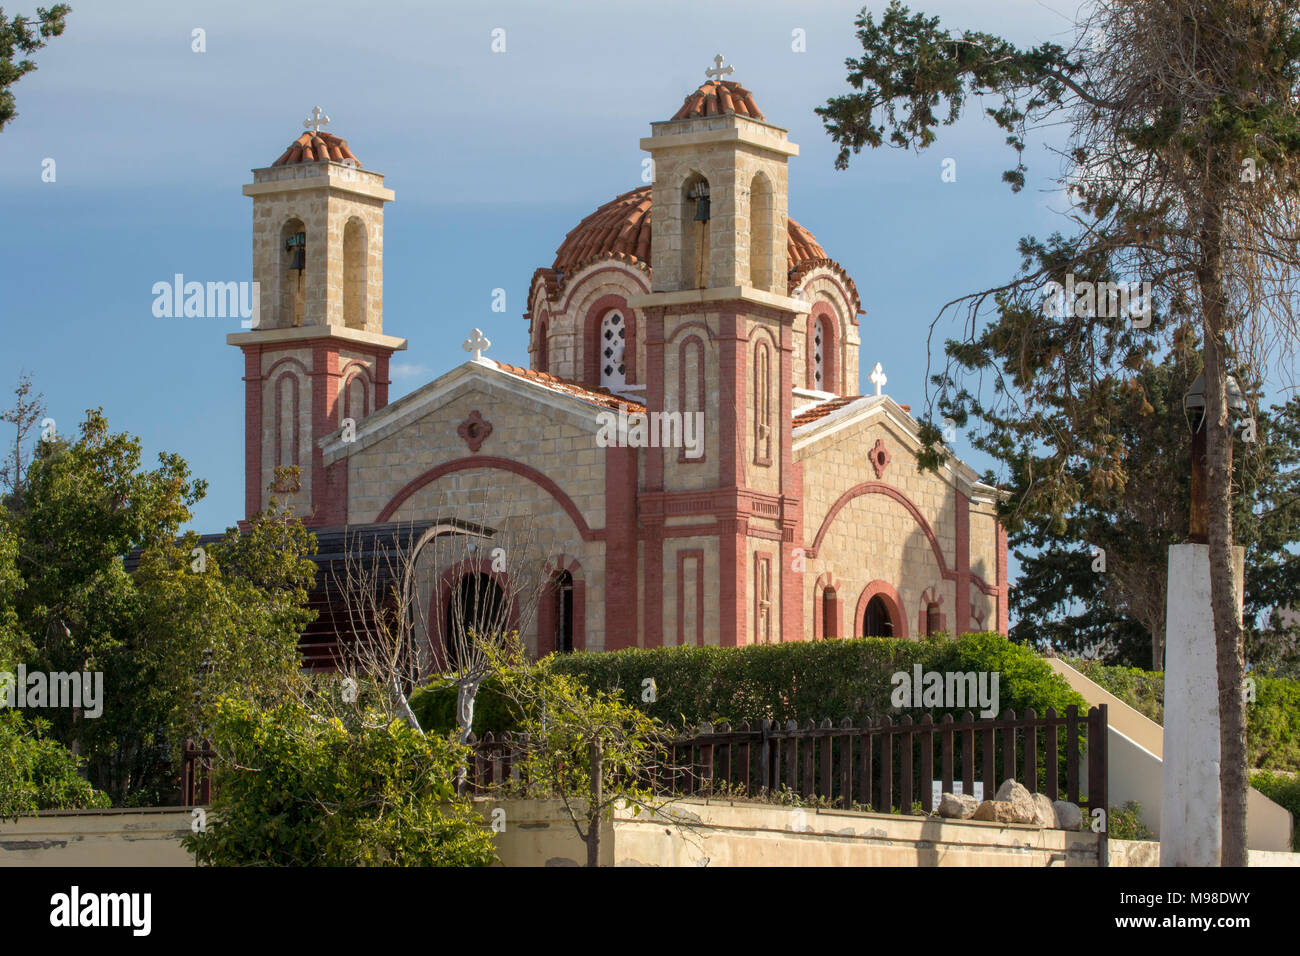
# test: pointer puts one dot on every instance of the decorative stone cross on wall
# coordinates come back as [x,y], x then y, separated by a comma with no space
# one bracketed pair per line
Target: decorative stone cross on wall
[316,120]
[476,343]
[878,378]
[718,72]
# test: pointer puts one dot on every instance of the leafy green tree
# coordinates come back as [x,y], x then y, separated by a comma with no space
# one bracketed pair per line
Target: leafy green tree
[1065,598]
[591,749]
[39,773]
[295,789]
[192,622]
[1182,125]
[21,36]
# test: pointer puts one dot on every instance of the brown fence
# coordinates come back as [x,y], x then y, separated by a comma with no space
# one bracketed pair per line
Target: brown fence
[883,766]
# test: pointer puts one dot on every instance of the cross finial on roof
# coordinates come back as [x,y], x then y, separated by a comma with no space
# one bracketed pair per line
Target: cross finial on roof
[476,343]
[316,120]
[718,71]
[878,378]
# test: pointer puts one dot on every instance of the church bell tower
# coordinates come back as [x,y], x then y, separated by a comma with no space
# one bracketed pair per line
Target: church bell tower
[720,339]
[317,354]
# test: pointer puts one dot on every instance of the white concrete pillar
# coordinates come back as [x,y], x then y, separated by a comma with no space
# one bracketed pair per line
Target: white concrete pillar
[1190,808]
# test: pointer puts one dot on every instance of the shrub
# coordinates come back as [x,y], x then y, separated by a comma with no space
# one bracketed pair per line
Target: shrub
[434,707]
[38,772]
[1284,789]
[295,789]
[1125,823]
[810,679]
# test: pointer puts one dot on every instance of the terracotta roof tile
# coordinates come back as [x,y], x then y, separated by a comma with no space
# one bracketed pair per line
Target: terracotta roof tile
[622,228]
[316,146]
[810,415]
[597,396]
[717,97]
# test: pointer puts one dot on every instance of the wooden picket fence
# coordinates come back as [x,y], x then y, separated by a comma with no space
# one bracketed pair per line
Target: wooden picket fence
[884,765]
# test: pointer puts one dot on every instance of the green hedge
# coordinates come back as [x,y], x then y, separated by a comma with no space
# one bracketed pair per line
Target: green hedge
[796,681]
[1284,789]
[1272,720]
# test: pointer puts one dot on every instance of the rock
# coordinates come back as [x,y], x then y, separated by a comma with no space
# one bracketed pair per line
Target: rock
[1068,816]
[1045,815]
[958,806]
[1020,798]
[996,811]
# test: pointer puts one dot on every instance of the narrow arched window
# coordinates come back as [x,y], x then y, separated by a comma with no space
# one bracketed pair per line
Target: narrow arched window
[819,356]
[563,596]
[762,404]
[933,619]
[830,613]
[293,265]
[613,344]
[543,362]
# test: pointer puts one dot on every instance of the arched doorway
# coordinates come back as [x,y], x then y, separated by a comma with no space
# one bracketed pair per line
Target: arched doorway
[876,620]
[474,606]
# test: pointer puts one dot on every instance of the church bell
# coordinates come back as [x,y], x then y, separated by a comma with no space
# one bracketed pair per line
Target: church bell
[297,244]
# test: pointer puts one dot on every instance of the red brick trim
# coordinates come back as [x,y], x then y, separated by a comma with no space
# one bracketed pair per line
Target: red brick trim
[825,581]
[621,537]
[763,443]
[893,605]
[591,339]
[547,618]
[474,430]
[684,555]
[504,464]
[253,382]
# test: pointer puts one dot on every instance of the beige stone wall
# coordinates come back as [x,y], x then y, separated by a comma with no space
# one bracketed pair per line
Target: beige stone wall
[558,445]
[298,192]
[75,838]
[730,168]
[874,537]
[984,563]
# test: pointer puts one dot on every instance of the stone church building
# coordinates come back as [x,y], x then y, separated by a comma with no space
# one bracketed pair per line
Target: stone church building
[798,515]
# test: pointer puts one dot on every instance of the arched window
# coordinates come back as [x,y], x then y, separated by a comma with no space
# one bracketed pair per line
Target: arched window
[830,613]
[819,356]
[612,343]
[760,233]
[690,392]
[475,606]
[563,597]
[543,353]
[354,274]
[933,618]
[695,215]
[763,598]
[876,621]
[762,404]
[293,265]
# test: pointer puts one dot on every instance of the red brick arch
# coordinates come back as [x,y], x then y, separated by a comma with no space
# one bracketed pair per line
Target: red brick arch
[504,464]
[893,604]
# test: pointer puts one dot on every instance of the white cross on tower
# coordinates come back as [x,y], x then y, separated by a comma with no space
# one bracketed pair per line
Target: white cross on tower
[316,120]
[476,343]
[878,378]
[718,72]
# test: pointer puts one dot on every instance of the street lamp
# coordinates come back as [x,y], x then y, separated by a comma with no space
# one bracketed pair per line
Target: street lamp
[1194,406]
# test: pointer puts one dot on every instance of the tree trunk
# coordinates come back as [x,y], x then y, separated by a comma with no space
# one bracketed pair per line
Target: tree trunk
[1229,651]
[597,771]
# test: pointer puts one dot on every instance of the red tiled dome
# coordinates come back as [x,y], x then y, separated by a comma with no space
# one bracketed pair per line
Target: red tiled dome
[621,228]
[316,146]
[717,97]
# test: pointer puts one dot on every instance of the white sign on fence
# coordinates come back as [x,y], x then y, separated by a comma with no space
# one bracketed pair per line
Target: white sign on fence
[936,791]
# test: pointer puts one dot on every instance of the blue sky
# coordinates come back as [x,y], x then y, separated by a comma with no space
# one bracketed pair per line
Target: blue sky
[493,156]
